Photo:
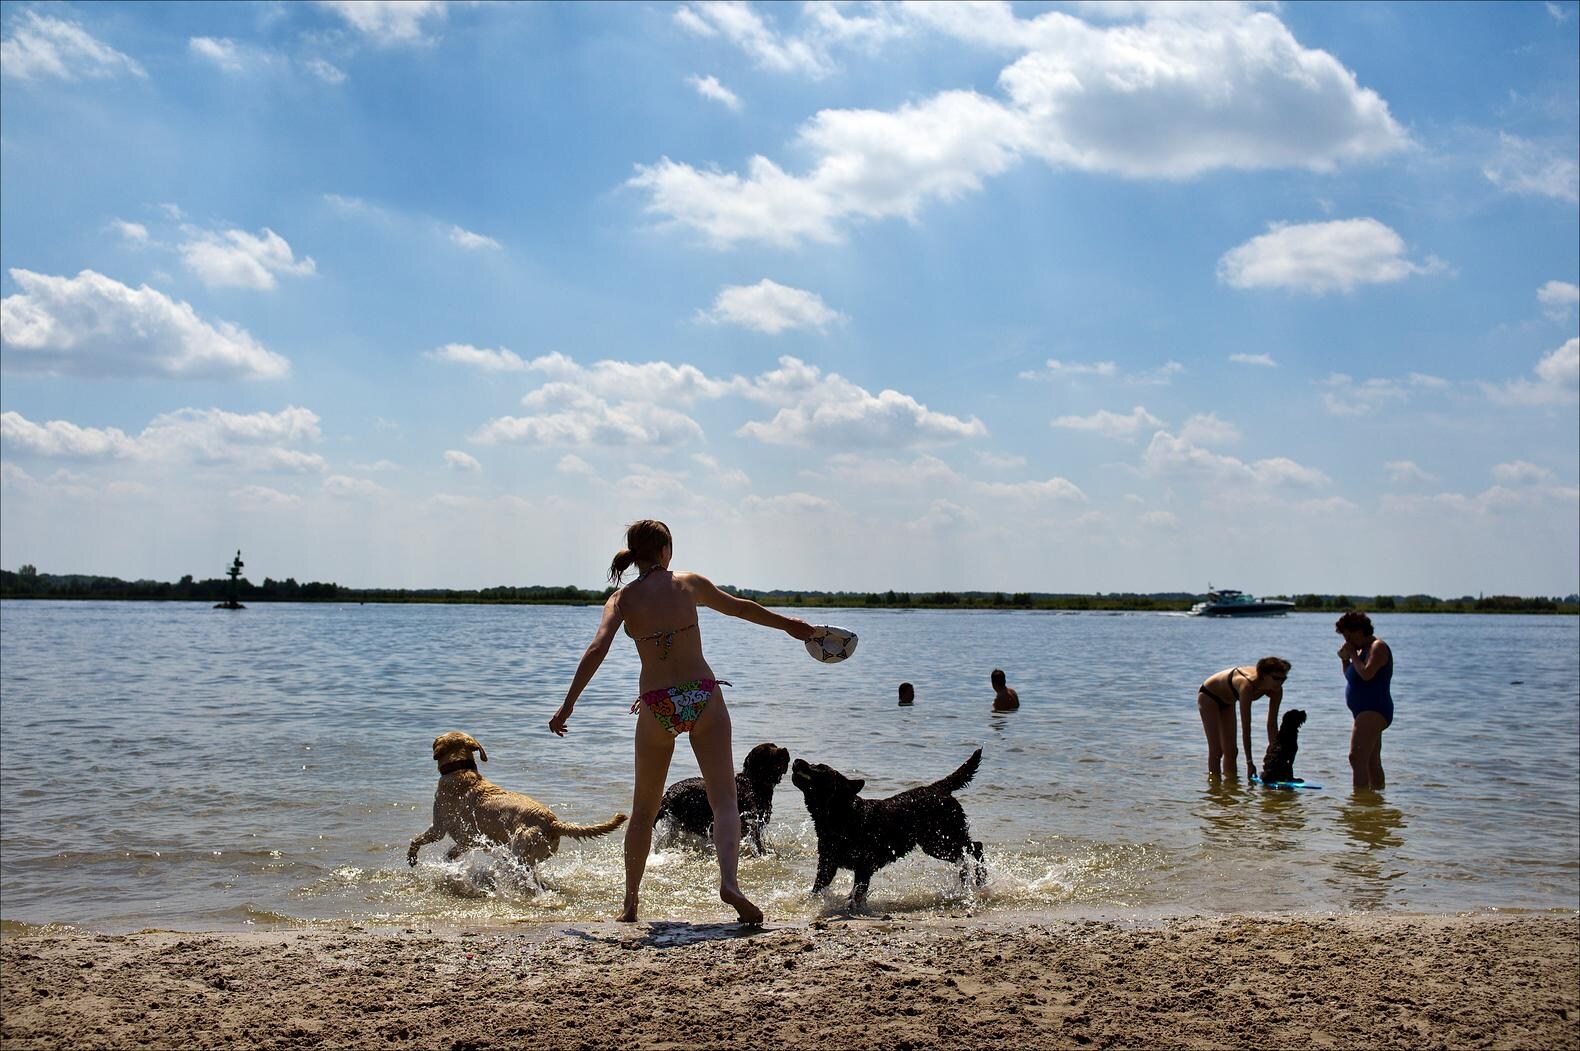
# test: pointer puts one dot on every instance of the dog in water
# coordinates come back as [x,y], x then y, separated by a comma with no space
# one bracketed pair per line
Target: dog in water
[685,803]
[475,812]
[1278,763]
[864,835]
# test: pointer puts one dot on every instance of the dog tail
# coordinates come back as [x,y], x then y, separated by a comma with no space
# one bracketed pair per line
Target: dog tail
[603,828]
[962,777]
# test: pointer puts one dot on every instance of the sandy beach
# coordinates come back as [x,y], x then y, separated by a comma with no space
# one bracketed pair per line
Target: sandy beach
[1378,981]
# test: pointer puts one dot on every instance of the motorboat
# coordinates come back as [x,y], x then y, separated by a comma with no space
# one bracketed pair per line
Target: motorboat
[1227,602]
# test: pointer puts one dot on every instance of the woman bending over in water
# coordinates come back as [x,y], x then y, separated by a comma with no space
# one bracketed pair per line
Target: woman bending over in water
[1233,688]
[678,694]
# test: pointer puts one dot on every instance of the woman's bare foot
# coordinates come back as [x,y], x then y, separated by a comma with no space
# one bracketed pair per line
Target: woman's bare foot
[627,913]
[744,908]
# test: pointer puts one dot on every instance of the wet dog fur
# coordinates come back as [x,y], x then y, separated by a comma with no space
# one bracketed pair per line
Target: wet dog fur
[863,835]
[475,812]
[1278,762]
[685,803]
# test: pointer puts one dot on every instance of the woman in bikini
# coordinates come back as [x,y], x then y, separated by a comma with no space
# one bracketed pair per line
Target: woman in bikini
[678,694]
[1368,672]
[1217,700]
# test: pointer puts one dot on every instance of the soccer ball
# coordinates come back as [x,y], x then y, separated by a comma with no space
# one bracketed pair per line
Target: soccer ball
[831,645]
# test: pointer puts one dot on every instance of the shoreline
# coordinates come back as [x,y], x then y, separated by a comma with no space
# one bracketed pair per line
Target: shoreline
[996,980]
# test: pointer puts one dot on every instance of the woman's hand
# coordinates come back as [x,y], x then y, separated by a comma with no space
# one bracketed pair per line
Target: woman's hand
[1346,653]
[557,724]
[800,630]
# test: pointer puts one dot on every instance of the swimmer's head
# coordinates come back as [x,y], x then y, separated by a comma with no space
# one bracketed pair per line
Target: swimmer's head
[998,678]
[907,693]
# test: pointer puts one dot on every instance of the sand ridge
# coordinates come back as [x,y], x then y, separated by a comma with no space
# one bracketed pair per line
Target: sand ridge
[1380,981]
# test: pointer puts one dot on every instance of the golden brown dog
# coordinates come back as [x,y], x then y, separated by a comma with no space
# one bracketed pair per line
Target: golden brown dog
[475,812]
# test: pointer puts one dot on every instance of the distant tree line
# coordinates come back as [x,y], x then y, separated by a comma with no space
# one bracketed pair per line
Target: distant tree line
[28,583]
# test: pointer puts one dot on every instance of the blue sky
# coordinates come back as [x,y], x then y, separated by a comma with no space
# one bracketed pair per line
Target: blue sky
[1066,297]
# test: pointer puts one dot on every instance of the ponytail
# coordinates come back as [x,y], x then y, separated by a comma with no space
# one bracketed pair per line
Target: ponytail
[644,541]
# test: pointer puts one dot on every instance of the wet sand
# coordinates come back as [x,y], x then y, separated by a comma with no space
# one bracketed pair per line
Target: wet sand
[986,982]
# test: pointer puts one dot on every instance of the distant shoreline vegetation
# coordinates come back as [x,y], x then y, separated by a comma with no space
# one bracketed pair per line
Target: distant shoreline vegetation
[28,583]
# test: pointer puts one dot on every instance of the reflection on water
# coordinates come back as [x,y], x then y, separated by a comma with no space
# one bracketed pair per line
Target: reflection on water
[270,768]
[1374,866]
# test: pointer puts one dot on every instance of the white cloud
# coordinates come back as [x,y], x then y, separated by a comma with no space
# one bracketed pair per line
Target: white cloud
[1208,429]
[1521,472]
[235,258]
[1557,380]
[769,307]
[1168,455]
[328,72]
[572,464]
[1159,520]
[1055,369]
[1000,461]
[456,460]
[787,503]
[485,358]
[577,417]
[257,440]
[261,498]
[710,88]
[656,381]
[924,472]
[1526,167]
[718,472]
[1558,299]
[376,466]
[832,410]
[41,46]
[91,325]
[472,242]
[746,29]
[1321,257]
[222,51]
[1346,397]
[345,487]
[1405,471]
[945,514]
[1050,489]
[136,233]
[389,22]
[1496,500]
[1265,360]
[1123,426]
[1170,92]
[1559,14]
[872,165]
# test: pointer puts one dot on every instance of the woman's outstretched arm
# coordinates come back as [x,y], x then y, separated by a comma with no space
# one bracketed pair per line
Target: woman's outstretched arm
[591,659]
[744,608]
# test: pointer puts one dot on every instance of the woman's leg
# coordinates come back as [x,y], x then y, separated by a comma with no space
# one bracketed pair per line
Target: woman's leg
[1229,741]
[654,747]
[1208,709]
[1366,749]
[710,740]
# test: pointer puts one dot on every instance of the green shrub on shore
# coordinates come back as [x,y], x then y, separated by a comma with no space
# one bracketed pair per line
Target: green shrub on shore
[29,583]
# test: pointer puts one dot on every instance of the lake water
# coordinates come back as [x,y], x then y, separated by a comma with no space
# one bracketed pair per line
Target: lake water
[168,765]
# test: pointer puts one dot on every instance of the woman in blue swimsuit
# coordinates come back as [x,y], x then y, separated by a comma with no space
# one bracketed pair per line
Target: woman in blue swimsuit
[1368,669]
[678,694]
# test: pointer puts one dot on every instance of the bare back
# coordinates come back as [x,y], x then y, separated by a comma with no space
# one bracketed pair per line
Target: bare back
[660,615]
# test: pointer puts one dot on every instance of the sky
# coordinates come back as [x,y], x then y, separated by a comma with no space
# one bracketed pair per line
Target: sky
[1025,297]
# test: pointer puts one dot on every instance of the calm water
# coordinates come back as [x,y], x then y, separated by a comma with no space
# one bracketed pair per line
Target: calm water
[179,767]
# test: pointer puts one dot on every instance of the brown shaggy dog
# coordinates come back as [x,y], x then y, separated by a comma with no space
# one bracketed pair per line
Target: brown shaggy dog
[475,812]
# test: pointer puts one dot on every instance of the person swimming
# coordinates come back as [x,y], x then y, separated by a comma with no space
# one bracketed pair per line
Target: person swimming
[907,695]
[1004,698]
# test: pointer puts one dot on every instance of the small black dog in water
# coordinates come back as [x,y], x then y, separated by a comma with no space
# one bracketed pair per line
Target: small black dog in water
[1278,764]
[685,803]
[863,835]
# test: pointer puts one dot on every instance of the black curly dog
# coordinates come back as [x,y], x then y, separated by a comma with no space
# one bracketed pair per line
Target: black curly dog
[685,803]
[1278,764]
[864,835]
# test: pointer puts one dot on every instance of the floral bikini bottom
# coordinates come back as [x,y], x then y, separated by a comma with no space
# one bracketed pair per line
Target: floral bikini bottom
[677,708]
